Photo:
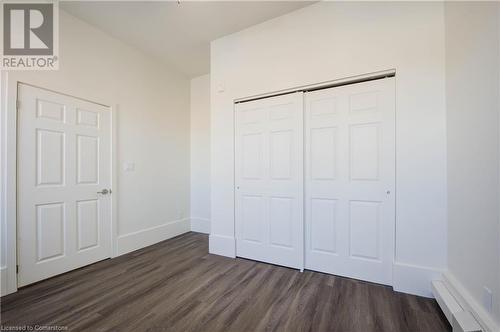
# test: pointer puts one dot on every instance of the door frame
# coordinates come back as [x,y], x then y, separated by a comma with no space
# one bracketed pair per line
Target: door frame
[8,198]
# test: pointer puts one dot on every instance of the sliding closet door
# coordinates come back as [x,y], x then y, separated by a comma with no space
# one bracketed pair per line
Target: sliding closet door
[269,180]
[350,180]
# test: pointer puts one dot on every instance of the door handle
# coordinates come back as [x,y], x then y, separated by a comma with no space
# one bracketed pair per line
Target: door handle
[104,191]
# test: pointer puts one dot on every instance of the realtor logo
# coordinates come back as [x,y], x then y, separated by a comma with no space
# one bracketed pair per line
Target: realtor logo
[29,36]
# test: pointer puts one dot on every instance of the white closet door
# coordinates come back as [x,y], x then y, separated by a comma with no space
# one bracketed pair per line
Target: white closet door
[350,180]
[64,150]
[269,180]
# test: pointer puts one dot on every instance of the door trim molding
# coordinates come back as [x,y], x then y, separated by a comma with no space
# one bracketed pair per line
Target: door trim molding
[8,199]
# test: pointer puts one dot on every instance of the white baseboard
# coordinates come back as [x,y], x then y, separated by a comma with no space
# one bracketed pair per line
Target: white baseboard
[410,279]
[3,281]
[222,245]
[414,279]
[146,237]
[469,303]
[200,225]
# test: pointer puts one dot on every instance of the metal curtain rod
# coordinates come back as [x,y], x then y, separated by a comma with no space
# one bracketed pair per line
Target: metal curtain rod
[321,86]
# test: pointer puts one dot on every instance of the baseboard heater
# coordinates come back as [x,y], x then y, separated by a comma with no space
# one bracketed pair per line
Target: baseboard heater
[460,319]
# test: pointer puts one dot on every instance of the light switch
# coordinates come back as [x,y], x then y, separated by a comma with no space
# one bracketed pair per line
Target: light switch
[128,166]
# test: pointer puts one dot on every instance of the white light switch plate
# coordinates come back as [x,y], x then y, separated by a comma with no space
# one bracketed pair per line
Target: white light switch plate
[128,166]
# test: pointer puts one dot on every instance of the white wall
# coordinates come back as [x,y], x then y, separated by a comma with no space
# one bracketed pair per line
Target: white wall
[472,92]
[200,154]
[152,105]
[327,41]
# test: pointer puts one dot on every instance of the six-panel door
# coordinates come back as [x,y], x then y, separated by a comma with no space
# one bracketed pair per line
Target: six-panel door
[350,180]
[63,162]
[269,180]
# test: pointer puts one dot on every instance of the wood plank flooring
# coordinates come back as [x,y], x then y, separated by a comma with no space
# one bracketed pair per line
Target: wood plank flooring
[176,285]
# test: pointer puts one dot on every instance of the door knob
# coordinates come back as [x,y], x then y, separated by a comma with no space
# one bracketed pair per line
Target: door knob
[104,192]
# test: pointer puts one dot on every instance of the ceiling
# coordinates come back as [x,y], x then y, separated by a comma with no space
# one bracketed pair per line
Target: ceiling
[178,34]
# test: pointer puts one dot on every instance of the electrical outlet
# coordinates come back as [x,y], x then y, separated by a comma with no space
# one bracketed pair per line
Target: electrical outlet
[487,298]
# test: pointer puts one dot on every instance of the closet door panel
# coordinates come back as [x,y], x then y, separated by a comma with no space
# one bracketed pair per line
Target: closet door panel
[350,180]
[269,180]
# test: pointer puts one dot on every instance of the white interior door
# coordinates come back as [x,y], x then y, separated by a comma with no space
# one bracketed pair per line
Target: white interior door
[269,180]
[350,180]
[64,160]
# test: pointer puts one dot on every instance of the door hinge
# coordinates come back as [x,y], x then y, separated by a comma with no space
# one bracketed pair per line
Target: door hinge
[18,104]
[17,268]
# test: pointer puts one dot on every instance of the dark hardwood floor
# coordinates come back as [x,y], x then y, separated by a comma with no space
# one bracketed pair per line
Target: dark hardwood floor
[176,285]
